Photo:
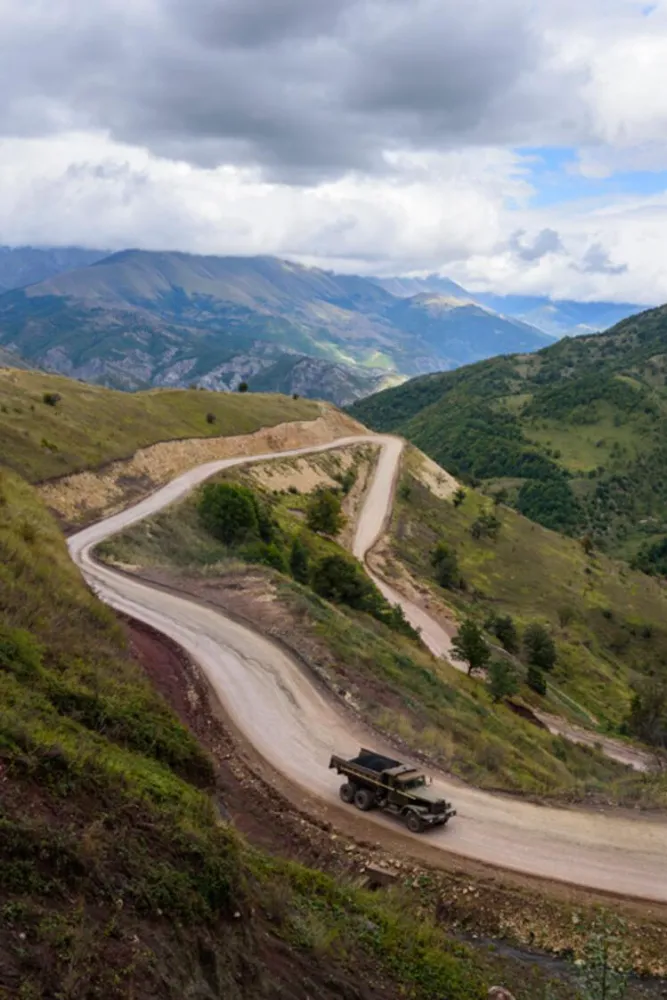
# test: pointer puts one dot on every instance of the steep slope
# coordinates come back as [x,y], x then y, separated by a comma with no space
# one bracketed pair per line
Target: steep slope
[9,360]
[574,436]
[119,876]
[20,266]
[52,426]
[139,318]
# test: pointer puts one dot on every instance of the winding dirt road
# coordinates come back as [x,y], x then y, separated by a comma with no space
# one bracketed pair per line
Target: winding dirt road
[291,724]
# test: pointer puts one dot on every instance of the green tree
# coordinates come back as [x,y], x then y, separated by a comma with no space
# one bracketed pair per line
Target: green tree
[468,646]
[536,680]
[229,512]
[446,565]
[487,525]
[539,647]
[243,386]
[459,496]
[504,629]
[300,560]
[324,513]
[341,579]
[502,680]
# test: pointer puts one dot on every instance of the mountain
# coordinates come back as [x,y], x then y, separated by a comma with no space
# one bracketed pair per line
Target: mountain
[137,319]
[10,360]
[20,266]
[557,317]
[574,436]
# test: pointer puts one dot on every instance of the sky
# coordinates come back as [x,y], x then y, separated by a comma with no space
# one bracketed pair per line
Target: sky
[517,146]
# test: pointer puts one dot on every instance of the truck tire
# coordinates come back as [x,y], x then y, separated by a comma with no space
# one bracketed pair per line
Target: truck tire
[414,823]
[364,799]
[347,792]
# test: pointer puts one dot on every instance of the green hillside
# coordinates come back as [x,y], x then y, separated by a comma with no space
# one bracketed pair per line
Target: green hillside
[118,877]
[42,436]
[574,436]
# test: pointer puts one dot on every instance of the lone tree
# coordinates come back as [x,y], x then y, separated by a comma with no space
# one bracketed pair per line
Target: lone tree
[539,647]
[468,645]
[243,386]
[502,680]
[446,565]
[324,513]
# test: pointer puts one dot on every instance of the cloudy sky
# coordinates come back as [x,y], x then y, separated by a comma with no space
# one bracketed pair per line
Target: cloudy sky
[514,145]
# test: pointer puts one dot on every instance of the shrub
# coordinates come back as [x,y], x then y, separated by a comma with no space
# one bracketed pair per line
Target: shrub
[539,647]
[300,560]
[211,418]
[324,513]
[341,579]
[51,398]
[243,386]
[445,565]
[536,680]
[459,496]
[648,714]
[229,512]
[504,629]
[502,680]
[486,526]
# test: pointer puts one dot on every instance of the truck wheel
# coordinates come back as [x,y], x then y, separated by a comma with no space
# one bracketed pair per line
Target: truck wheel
[414,823]
[364,799]
[347,792]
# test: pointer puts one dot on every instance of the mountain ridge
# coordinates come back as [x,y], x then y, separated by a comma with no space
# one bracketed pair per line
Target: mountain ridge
[138,318]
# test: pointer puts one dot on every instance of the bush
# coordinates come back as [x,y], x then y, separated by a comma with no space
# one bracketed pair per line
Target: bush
[536,680]
[486,526]
[504,629]
[51,398]
[300,560]
[648,714]
[342,580]
[446,565]
[502,680]
[459,496]
[230,512]
[211,418]
[243,386]
[324,513]
[539,647]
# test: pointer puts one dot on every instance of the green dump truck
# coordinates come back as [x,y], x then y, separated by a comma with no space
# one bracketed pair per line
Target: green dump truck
[374,781]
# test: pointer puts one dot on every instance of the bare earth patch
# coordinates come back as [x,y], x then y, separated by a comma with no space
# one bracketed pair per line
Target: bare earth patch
[87,496]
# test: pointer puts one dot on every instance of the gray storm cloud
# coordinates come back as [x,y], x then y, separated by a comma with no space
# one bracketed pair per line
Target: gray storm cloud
[305,89]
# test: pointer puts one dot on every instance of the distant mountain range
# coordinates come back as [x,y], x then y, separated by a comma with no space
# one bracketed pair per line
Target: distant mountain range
[557,317]
[138,318]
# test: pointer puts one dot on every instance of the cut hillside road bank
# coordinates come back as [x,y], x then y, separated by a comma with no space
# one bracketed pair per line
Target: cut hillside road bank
[284,715]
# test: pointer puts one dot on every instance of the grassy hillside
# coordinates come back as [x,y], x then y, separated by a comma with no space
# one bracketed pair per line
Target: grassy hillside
[574,436]
[389,677]
[607,620]
[117,876]
[89,426]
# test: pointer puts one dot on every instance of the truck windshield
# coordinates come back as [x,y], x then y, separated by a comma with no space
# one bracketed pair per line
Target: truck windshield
[415,782]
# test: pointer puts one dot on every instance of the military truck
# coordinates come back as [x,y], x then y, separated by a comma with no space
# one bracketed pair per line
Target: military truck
[374,781]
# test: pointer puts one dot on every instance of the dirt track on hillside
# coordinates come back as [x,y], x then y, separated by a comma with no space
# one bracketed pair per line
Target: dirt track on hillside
[292,724]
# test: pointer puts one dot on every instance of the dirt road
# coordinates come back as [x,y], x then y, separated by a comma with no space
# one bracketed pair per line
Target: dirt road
[289,722]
